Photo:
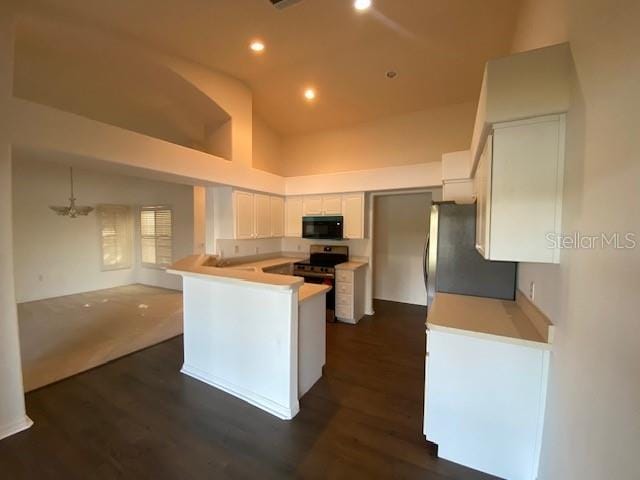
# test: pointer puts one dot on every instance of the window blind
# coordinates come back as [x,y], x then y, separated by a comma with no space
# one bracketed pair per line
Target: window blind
[115,236]
[156,236]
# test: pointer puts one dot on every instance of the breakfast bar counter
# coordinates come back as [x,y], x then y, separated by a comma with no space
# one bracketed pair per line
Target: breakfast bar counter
[256,335]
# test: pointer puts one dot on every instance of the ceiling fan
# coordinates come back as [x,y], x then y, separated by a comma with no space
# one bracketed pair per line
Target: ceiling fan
[72,210]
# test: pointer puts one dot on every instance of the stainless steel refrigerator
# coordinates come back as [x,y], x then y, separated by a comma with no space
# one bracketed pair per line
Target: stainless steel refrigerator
[453,265]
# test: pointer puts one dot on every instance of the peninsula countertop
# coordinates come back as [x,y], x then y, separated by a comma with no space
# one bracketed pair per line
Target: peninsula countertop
[491,318]
[250,271]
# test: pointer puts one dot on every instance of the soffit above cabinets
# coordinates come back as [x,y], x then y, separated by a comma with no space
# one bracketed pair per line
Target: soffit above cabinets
[521,86]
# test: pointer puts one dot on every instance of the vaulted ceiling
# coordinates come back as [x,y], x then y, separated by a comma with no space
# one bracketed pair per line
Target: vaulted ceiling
[437,47]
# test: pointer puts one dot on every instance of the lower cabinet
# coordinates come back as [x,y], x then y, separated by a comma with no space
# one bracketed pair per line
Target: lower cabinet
[350,294]
[485,402]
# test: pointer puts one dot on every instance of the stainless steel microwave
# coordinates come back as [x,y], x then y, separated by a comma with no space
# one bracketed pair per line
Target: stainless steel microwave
[322,228]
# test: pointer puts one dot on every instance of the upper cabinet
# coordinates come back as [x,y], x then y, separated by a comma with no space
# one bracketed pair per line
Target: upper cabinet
[277,216]
[312,205]
[332,204]
[322,205]
[517,155]
[349,205]
[262,216]
[519,181]
[293,216]
[353,212]
[243,215]
[257,215]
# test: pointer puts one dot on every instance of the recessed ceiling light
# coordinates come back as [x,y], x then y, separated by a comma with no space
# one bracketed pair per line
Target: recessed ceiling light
[362,4]
[310,94]
[257,46]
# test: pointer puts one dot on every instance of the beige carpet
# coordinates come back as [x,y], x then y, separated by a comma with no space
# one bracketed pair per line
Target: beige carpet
[62,336]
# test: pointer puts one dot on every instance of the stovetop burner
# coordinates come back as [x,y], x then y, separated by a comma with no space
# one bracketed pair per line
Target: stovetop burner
[323,258]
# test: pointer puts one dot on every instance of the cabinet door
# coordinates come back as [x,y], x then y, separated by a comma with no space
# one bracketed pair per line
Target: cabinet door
[353,211]
[313,205]
[293,221]
[332,204]
[262,212]
[243,215]
[526,189]
[277,216]
[483,192]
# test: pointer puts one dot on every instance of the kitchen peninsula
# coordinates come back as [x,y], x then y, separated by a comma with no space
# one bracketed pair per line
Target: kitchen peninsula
[259,336]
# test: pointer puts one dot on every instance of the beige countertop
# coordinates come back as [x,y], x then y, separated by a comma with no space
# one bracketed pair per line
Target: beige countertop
[489,318]
[260,265]
[251,271]
[197,265]
[352,265]
[310,290]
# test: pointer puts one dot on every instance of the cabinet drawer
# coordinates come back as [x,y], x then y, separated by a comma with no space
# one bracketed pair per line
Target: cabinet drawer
[345,276]
[344,288]
[344,299]
[345,313]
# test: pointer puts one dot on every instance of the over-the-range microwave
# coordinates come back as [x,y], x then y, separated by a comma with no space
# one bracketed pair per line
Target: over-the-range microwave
[322,228]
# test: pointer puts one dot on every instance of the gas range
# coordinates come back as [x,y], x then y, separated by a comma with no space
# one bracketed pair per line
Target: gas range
[322,261]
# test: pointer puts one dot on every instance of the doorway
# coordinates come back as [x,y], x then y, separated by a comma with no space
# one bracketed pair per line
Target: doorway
[401,223]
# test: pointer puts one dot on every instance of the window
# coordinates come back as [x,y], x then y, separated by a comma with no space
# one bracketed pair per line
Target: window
[156,236]
[115,236]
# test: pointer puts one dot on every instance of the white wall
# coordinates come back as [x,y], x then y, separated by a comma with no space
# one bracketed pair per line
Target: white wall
[592,426]
[60,256]
[412,138]
[401,223]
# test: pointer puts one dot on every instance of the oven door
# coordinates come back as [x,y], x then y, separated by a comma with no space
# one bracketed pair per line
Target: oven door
[322,228]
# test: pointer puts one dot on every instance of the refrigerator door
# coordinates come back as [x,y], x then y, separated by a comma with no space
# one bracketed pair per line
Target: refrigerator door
[431,252]
[457,266]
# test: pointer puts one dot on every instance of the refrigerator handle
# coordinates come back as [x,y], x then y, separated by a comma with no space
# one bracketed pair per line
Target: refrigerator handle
[425,259]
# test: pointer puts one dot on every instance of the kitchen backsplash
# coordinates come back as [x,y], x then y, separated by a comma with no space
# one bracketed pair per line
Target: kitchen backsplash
[243,248]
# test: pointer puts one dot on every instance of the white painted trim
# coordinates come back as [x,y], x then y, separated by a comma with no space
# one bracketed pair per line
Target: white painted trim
[15,427]
[248,396]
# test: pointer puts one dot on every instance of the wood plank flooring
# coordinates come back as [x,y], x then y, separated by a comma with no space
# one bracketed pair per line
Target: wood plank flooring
[138,417]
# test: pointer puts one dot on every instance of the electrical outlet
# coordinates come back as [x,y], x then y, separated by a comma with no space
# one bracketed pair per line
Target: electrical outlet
[257,250]
[236,249]
[532,291]
[299,247]
[40,278]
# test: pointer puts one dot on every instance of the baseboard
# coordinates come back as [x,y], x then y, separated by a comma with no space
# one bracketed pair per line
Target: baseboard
[15,427]
[254,399]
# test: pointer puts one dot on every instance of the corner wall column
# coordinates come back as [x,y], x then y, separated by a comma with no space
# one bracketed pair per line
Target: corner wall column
[13,416]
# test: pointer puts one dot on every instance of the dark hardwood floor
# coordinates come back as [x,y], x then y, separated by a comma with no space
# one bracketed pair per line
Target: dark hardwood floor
[138,417]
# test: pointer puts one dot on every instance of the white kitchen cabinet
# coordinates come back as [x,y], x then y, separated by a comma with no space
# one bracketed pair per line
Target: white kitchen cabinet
[483,194]
[323,204]
[485,402]
[312,205]
[255,215]
[353,212]
[243,215]
[332,204]
[519,182]
[350,294]
[293,216]
[277,217]
[262,215]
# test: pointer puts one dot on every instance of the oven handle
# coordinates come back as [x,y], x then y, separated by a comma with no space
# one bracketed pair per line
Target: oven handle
[313,275]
